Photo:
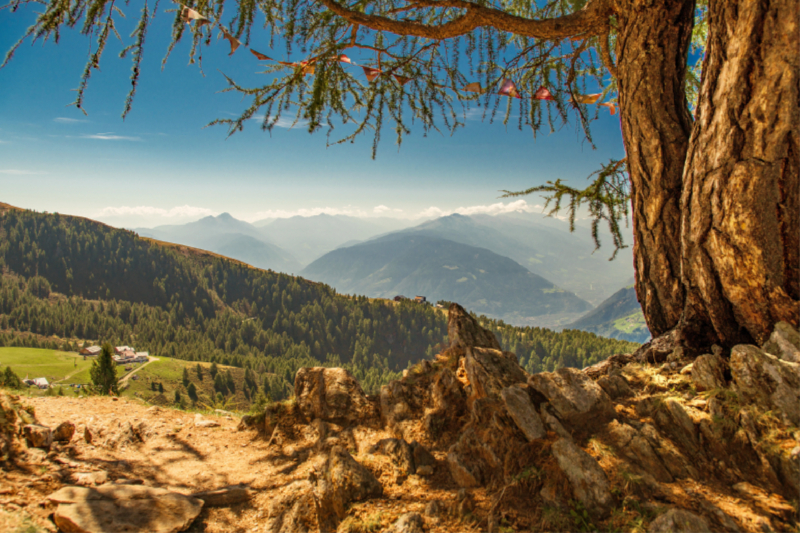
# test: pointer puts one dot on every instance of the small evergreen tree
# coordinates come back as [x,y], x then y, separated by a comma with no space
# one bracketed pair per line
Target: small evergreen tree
[8,378]
[213,370]
[199,372]
[185,377]
[104,372]
[191,390]
[177,396]
[161,388]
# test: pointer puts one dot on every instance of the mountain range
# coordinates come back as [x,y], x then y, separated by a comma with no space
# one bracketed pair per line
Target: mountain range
[619,317]
[354,255]
[410,264]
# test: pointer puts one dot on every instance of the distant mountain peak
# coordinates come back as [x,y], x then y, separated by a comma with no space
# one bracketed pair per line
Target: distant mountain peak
[225,216]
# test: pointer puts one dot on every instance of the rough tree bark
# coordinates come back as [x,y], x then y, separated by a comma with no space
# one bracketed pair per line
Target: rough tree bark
[740,206]
[652,50]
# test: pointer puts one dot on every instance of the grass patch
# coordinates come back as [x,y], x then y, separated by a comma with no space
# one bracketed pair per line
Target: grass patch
[51,364]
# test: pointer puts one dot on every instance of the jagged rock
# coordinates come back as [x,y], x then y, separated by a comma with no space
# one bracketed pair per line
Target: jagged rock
[465,463]
[343,481]
[603,368]
[657,350]
[589,482]
[519,406]
[400,453]
[37,436]
[490,371]
[225,496]
[465,332]
[629,443]
[446,393]
[407,523]
[422,457]
[424,470]
[616,386]
[708,372]
[87,435]
[331,394]
[767,381]
[771,504]
[678,521]
[114,507]
[573,394]
[670,456]
[784,343]
[64,432]
[553,423]
[293,510]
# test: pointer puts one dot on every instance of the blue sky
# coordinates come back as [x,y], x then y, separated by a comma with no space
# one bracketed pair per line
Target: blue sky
[161,165]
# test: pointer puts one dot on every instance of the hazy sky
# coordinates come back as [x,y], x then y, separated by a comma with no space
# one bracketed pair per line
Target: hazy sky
[161,165]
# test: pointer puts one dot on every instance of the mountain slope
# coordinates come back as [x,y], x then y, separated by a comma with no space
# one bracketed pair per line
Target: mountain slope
[308,238]
[227,236]
[619,317]
[544,246]
[441,269]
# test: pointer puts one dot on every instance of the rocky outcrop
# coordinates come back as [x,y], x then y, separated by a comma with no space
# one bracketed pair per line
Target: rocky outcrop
[331,394]
[490,371]
[399,452]
[225,496]
[588,480]
[463,331]
[293,510]
[616,386]
[115,507]
[765,380]
[343,481]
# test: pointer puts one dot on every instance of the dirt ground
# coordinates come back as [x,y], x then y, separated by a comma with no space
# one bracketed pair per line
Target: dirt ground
[181,457]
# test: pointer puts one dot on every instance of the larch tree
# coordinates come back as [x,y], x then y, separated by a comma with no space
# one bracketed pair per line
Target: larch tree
[713,196]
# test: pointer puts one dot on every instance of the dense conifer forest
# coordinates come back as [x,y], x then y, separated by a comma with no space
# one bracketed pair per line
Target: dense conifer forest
[68,280]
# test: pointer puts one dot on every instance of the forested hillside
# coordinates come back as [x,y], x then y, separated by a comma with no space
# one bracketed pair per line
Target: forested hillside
[67,279]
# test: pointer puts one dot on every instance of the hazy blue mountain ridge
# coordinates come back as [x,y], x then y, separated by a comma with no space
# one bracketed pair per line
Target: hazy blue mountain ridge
[619,317]
[414,264]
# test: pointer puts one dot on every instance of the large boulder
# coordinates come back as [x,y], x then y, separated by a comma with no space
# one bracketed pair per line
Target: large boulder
[678,521]
[293,510]
[767,381]
[615,385]
[589,483]
[399,452]
[64,432]
[38,436]
[331,394]
[489,371]
[574,396]
[344,480]
[114,507]
[784,343]
[708,372]
[465,332]
[519,406]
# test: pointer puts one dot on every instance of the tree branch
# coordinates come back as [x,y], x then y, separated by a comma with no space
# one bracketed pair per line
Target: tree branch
[591,20]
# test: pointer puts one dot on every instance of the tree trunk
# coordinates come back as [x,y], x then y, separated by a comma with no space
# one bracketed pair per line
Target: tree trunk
[652,50]
[740,205]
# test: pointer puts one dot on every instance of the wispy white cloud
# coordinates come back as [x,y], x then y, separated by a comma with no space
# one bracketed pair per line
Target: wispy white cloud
[284,122]
[493,209]
[309,212]
[184,211]
[18,172]
[109,136]
[65,120]
[382,210]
